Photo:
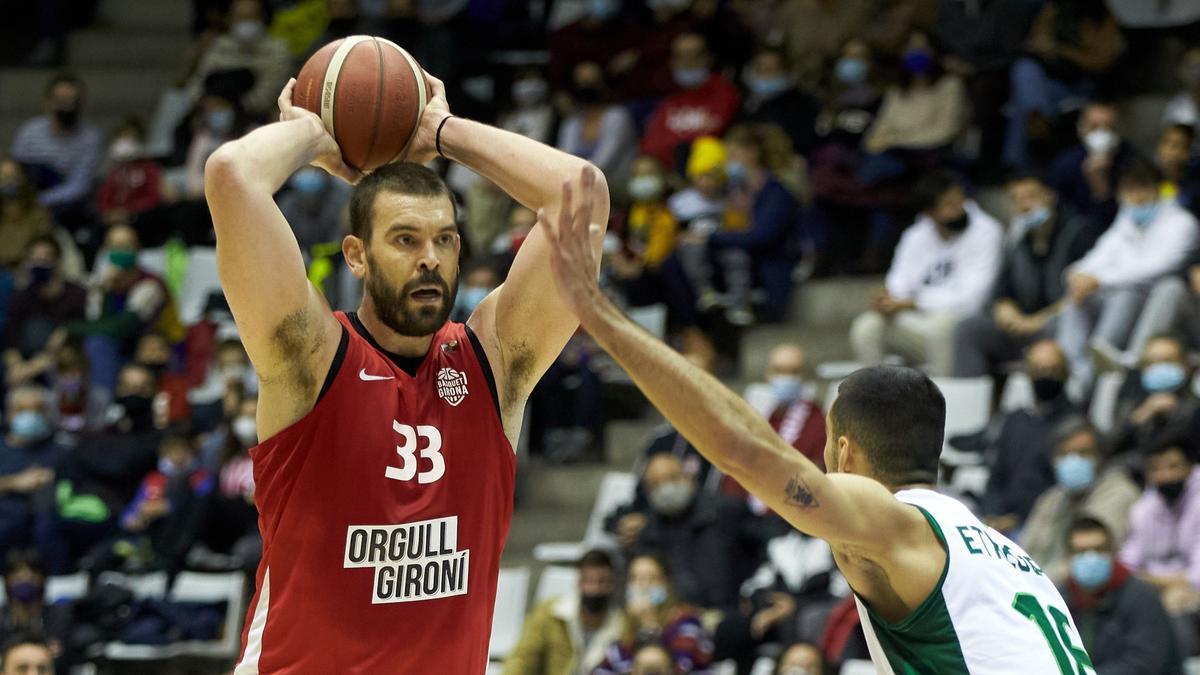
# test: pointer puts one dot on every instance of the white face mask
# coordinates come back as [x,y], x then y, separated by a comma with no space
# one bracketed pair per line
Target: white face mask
[1100,141]
[247,30]
[125,149]
[246,430]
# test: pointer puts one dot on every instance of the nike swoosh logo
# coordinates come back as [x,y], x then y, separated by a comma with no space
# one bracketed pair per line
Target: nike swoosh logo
[368,378]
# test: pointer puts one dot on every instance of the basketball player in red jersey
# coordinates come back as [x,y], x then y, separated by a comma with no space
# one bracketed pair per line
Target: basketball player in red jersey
[384,478]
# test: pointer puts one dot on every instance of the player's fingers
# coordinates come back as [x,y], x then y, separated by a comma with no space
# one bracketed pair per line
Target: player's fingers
[435,86]
[285,96]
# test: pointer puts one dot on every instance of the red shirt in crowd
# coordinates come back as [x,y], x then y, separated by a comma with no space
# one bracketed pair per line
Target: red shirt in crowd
[131,186]
[689,114]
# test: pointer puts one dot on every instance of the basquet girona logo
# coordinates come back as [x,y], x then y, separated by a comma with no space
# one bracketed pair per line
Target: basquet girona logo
[452,385]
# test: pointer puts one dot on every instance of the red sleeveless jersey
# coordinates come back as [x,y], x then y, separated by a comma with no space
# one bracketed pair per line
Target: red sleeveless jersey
[383,513]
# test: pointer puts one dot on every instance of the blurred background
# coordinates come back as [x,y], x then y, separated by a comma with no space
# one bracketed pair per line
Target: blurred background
[1000,192]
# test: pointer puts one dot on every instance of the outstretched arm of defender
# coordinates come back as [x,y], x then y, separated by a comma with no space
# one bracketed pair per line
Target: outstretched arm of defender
[842,509]
[284,323]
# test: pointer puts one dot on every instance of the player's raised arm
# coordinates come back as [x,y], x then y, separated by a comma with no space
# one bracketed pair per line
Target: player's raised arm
[522,320]
[284,322]
[839,508]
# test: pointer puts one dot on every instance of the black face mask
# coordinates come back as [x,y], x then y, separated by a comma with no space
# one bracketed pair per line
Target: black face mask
[588,95]
[67,117]
[1047,388]
[594,604]
[958,224]
[138,410]
[1171,491]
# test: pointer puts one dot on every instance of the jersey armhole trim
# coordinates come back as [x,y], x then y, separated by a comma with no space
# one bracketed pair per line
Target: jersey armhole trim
[338,358]
[928,603]
[486,366]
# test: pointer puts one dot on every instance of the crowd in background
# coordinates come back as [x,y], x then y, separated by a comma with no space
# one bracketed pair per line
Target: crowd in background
[750,145]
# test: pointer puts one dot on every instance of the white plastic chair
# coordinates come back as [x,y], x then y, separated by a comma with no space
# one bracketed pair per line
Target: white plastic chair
[512,589]
[556,580]
[968,403]
[1017,394]
[1104,401]
[616,488]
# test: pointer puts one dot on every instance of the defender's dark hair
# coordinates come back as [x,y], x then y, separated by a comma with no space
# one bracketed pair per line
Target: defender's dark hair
[898,416]
[45,240]
[64,77]
[20,640]
[597,557]
[931,186]
[1088,524]
[403,177]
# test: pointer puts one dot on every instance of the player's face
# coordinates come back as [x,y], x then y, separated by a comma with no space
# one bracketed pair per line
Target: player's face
[28,660]
[411,273]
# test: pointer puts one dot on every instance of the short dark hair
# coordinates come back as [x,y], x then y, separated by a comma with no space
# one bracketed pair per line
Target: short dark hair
[1139,173]
[1021,175]
[1180,441]
[47,240]
[1088,524]
[24,557]
[404,177]
[596,557]
[21,639]
[1187,130]
[898,416]
[64,77]
[931,186]
[1071,426]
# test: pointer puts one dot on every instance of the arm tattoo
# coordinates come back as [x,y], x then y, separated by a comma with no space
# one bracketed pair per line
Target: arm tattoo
[798,493]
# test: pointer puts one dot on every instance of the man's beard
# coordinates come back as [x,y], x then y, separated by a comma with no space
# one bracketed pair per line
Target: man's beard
[395,308]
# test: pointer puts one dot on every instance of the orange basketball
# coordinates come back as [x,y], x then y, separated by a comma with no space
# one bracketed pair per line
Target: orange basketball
[369,93]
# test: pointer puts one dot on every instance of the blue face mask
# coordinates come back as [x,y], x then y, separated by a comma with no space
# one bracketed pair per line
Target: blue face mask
[469,297]
[786,388]
[602,10]
[1075,472]
[735,172]
[1024,222]
[766,87]
[850,70]
[219,121]
[1091,569]
[1141,214]
[30,425]
[918,61]
[308,181]
[1160,377]
[690,78]
[656,595]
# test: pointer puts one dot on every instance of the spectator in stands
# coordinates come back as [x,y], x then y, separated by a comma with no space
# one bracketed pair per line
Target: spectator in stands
[852,98]
[568,634]
[649,235]
[316,208]
[1120,618]
[566,404]
[1173,157]
[1164,534]
[598,129]
[1085,175]
[602,35]
[28,455]
[802,658]
[655,615]
[1106,289]
[26,608]
[247,47]
[61,151]
[26,654]
[1068,45]
[44,302]
[1156,402]
[229,537]
[703,105]
[815,30]
[22,218]
[132,301]
[793,413]
[1049,236]
[132,185]
[100,476]
[943,270]
[1024,446]
[532,115]
[920,118]
[478,281]
[154,351]
[1083,487]
[219,117]
[1182,108]
[773,98]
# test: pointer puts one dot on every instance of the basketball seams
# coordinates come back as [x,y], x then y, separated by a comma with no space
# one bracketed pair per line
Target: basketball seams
[422,95]
[333,73]
[379,82]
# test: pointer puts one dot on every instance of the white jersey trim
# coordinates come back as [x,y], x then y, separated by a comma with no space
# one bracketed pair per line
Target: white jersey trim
[249,662]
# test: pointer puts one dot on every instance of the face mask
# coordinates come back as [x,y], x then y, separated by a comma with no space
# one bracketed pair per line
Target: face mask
[645,188]
[1091,569]
[672,499]
[958,224]
[9,190]
[137,408]
[1160,377]
[656,595]
[594,604]
[67,117]
[30,425]
[1100,141]
[1024,222]
[1047,388]
[529,92]
[166,467]
[308,181]
[123,260]
[470,297]
[735,172]
[40,274]
[588,94]
[1075,472]
[125,150]
[690,78]
[918,61]
[1171,491]
[766,87]
[850,70]
[602,10]
[247,30]
[233,373]
[219,121]
[246,430]
[786,388]
[25,592]
[1141,214]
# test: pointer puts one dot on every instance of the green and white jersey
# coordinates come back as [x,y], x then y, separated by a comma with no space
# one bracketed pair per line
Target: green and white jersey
[993,610]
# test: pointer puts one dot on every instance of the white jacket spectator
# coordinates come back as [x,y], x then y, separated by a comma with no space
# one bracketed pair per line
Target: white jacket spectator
[1128,254]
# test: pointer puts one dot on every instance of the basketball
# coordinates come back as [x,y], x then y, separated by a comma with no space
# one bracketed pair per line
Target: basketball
[369,93]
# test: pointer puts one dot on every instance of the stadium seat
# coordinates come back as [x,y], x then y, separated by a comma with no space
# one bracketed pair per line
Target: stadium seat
[651,317]
[1104,400]
[758,395]
[556,580]
[968,403]
[1018,392]
[512,589]
[858,667]
[66,587]
[616,488]
[199,281]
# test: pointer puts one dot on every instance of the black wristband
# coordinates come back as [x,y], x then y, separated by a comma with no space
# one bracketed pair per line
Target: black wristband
[437,138]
